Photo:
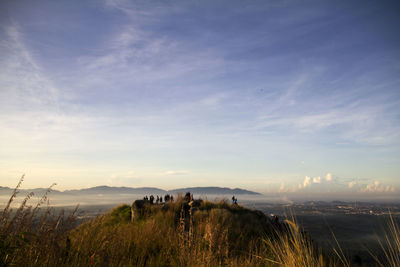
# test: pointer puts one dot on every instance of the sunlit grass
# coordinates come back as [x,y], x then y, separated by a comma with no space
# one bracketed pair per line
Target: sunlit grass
[31,235]
[390,246]
[203,233]
[295,248]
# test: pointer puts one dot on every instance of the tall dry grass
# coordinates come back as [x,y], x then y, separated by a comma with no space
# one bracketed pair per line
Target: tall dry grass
[199,233]
[390,246]
[295,248]
[31,235]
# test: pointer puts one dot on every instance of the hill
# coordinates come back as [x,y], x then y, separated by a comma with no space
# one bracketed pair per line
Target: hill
[105,190]
[199,233]
[116,190]
[181,233]
[214,191]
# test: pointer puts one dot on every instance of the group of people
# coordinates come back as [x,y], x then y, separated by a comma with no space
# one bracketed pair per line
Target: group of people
[170,198]
[167,198]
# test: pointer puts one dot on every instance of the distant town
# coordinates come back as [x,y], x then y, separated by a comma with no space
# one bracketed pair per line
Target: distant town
[334,208]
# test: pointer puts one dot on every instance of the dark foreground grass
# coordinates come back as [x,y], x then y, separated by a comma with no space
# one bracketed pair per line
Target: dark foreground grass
[199,233]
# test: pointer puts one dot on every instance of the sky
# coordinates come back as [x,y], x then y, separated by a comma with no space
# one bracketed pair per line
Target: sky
[271,96]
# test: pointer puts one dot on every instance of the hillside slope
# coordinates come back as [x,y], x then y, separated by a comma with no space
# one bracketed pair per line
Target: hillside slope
[197,233]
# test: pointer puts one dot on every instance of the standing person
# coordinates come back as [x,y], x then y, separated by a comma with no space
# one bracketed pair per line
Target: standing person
[187,196]
[233,199]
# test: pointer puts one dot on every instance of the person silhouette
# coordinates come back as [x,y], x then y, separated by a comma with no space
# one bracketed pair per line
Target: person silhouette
[234,200]
[187,196]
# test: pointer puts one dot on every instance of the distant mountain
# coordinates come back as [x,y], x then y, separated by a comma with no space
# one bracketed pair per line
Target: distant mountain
[214,191]
[5,190]
[103,189]
[36,191]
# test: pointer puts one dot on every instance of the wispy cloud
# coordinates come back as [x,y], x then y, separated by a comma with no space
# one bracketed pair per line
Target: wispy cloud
[161,86]
[128,178]
[22,80]
[365,121]
[176,172]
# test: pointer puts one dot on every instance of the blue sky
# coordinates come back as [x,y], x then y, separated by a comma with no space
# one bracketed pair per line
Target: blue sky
[266,95]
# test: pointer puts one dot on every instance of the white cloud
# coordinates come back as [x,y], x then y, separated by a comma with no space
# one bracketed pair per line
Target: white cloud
[352,184]
[377,187]
[176,172]
[329,177]
[317,180]
[328,183]
[282,188]
[124,179]
[307,181]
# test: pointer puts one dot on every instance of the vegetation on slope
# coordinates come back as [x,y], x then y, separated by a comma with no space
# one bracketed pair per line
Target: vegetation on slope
[210,234]
[182,233]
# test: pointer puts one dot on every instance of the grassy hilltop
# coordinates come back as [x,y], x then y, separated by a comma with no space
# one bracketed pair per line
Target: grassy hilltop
[180,233]
[175,234]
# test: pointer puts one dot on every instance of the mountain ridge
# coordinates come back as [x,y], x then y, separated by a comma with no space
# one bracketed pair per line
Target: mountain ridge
[104,189]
